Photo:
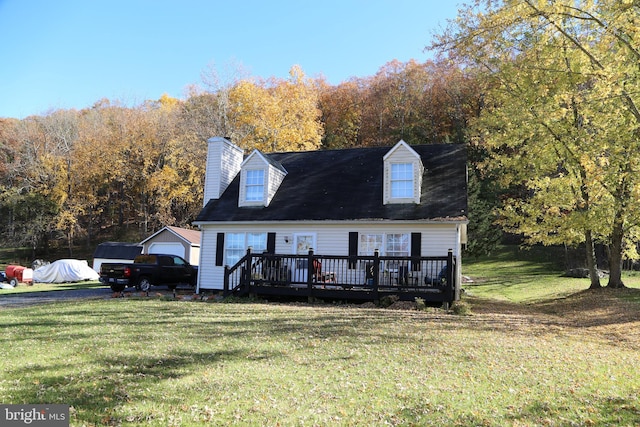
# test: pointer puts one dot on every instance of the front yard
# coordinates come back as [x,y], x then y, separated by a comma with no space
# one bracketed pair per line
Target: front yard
[154,361]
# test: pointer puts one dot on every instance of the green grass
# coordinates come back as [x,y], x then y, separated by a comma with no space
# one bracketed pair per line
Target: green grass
[159,362]
[47,287]
[526,275]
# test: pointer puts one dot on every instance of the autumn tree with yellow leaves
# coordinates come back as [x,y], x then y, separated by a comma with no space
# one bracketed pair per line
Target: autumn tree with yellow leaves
[277,115]
[561,119]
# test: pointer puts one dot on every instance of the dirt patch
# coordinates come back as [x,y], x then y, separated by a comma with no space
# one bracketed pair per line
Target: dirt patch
[403,305]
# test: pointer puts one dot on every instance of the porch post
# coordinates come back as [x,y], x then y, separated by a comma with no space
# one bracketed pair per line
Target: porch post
[246,276]
[225,281]
[310,273]
[451,279]
[376,275]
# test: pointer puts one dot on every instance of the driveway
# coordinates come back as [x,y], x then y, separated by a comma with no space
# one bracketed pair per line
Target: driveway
[31,298]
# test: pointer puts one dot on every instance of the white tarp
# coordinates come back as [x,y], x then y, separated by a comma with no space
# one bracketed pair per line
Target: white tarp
[65,270]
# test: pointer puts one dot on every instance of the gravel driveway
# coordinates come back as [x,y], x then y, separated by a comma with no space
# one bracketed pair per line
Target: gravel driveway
[31,298]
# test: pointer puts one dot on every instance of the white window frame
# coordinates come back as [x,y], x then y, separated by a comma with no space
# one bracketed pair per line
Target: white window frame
[254,185]
[369,242]
[236,245]
[402,181]
[388,244]
[397,244]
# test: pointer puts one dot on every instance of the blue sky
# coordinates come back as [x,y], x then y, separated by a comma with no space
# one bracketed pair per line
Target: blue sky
[70,54]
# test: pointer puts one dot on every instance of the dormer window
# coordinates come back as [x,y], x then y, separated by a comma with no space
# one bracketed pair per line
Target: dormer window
[255,185]
[403,170]
[260,178]
[402,179]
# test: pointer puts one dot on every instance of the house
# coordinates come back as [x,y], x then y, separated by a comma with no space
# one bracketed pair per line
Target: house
[115,252]
[174,241]
[401,201]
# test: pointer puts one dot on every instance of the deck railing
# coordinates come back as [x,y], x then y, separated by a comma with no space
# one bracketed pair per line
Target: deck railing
[360,277]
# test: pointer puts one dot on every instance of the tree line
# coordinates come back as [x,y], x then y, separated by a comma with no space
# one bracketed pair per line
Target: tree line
[544,94]
[115,172]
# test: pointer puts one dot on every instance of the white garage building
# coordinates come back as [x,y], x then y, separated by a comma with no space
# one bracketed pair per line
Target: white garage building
[174,241]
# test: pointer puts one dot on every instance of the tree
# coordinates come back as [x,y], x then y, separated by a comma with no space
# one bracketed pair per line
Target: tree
[419,103]
[31,197]
[561,120]
[342,108]
[61,128]
[280,115]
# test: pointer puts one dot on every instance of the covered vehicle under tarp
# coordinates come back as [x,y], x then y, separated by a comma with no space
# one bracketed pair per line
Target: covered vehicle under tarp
[65,270]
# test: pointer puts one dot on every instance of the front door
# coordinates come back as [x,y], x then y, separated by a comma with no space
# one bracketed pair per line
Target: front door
[302,242]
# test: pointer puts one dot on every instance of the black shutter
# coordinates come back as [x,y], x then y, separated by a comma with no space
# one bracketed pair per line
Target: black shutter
[353,249]
[271,243]
[220,249]
[416,250]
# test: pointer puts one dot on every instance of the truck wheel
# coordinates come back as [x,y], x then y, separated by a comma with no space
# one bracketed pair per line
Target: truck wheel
[117,288]
[144,284]
[14,282]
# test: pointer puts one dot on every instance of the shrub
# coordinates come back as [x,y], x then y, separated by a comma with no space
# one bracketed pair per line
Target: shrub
[461,308]
[386,301]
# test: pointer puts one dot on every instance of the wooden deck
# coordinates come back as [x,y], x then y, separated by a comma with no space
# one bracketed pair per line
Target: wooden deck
[363,278]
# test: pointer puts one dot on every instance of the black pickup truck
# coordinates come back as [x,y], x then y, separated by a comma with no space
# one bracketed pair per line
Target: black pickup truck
[147,270]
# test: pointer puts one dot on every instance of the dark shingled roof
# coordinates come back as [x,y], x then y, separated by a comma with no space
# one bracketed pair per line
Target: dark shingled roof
[117,250]
[347,185]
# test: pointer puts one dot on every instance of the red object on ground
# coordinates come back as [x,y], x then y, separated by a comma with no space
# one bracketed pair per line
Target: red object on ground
[21,274]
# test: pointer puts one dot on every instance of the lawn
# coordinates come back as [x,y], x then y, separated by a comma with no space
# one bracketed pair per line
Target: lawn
[526,275]
[569,359]
[47,287]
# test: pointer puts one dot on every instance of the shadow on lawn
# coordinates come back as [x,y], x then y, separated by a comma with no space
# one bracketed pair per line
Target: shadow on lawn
[611,310]
[598,410]
[96,397]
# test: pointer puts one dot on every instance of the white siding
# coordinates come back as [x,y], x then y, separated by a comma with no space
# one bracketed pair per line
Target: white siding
[331,239]
[274,179]
[254,161]
[223,164]
[194,255]
[209,276]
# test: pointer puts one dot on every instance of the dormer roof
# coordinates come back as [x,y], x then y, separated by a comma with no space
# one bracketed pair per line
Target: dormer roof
[401,145]
[266,159]
[347,184]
